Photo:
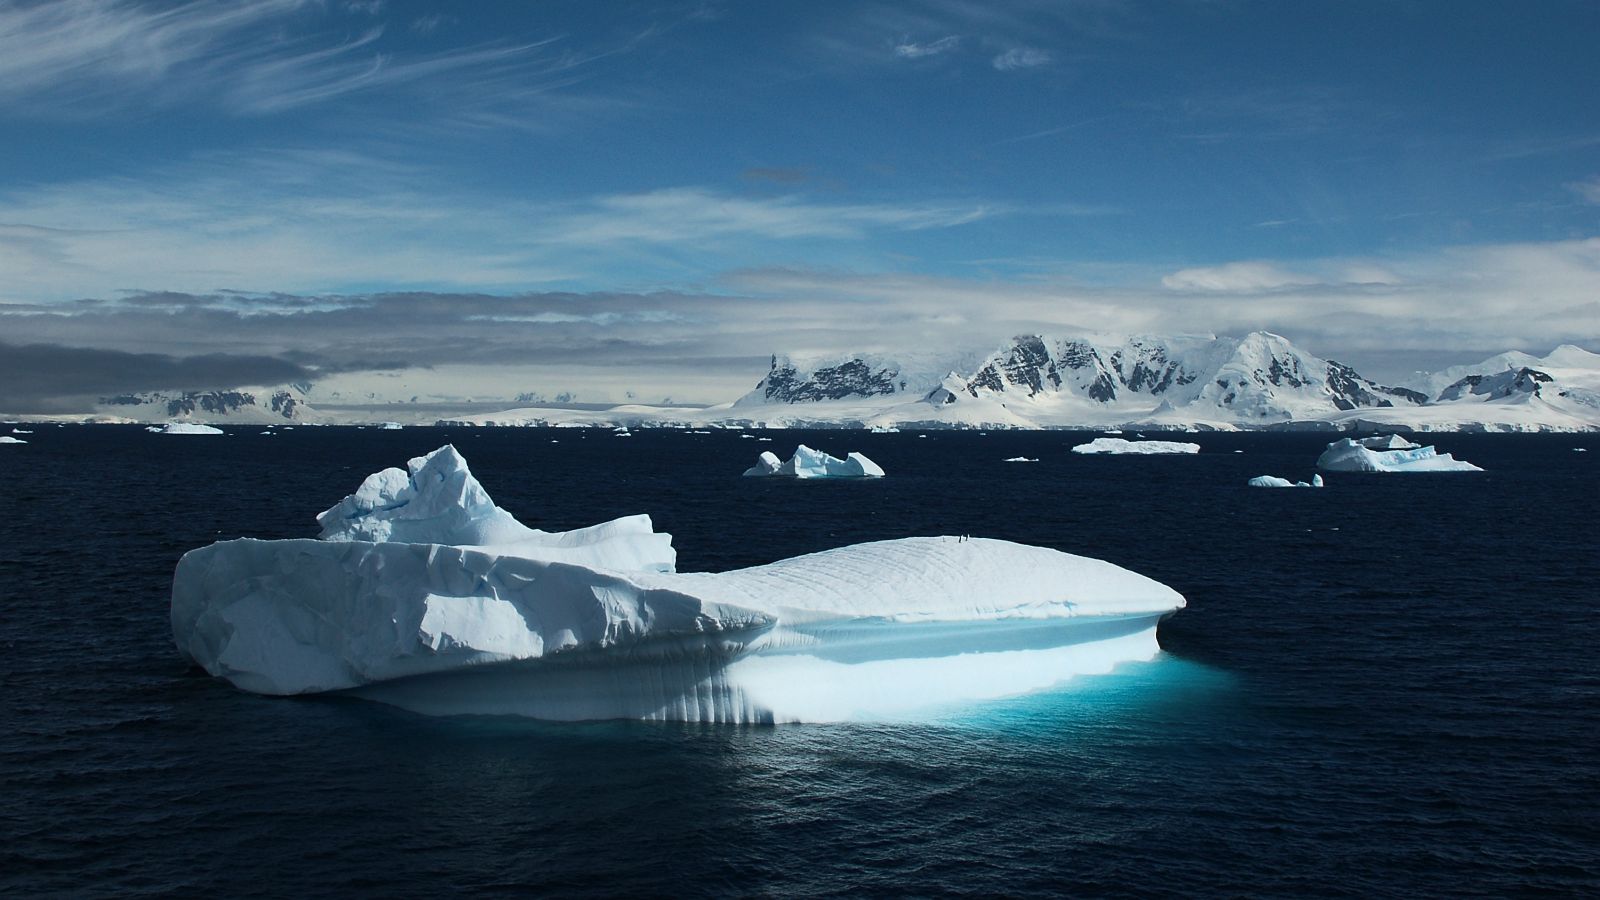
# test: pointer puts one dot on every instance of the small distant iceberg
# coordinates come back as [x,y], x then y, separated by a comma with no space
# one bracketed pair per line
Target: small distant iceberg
[1273,481]
[8,439]
[391,426]
[1120,446]
[184,428]
[1364,455]
[1020,459]
[809,463]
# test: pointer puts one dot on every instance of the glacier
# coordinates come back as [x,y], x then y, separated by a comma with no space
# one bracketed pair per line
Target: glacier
[1111,445]
[1366,455]
[424,594]
[809,463]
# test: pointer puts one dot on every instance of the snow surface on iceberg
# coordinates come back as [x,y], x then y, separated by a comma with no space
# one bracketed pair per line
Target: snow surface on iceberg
[8,439]
[809,463]
[1387,442]
[1352,455]
[866,631]
[1119,445]
[185,428]
[436,500]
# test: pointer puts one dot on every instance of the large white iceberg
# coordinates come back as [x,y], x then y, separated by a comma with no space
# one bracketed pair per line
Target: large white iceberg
[1352,455]
[809,463]
[1120,445]
[514,625]
[8,439]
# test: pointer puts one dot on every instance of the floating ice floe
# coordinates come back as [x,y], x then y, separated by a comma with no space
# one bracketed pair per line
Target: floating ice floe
[1273,481]
[1119,445]
[425,594]
[1352,455]
[1020,459]
[184,428]
[8,439]
[809,463]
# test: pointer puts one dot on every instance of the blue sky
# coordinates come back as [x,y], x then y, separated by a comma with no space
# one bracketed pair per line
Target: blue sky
[687,187]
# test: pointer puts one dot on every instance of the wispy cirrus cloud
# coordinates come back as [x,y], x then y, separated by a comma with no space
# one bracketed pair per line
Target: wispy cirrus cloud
[1021,58]
[908,49]
[676,214]
[67,58]
[1588,189]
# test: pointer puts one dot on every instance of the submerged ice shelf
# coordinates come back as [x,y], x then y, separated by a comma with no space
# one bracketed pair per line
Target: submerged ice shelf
[424,594]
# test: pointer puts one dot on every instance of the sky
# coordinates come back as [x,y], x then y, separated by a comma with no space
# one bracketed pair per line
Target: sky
[396,198]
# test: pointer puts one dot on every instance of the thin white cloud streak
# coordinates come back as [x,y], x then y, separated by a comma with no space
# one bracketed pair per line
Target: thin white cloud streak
[1588,189]
[910,50]
[1021,58]
[675,214]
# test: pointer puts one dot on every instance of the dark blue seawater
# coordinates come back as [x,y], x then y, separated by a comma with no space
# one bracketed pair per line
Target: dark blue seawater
[1387,687]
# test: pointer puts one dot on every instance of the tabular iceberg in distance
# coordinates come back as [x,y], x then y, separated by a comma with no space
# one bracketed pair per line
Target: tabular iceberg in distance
[8,439]
[382,609]
[1111,445]
[1273,481]
[809,463]
[185,428]
[1352,455]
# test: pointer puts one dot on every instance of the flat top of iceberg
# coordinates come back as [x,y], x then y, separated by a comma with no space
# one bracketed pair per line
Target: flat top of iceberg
[186,428]
[1111,445]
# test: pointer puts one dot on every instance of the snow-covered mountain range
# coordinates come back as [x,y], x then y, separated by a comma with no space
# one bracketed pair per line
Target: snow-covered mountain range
[1184,382]
[1192,382]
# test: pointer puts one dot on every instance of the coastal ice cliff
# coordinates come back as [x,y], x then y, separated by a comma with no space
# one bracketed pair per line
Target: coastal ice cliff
[424,594]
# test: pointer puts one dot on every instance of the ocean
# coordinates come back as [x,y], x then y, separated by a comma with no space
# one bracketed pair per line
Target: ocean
[1387,687]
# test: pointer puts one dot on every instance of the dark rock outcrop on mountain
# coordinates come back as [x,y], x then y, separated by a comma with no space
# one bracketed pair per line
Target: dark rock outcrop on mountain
[210,405]
[853,378]
[1500,384]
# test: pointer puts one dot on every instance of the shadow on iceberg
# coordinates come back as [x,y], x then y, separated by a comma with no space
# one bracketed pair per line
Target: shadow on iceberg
[424,594]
